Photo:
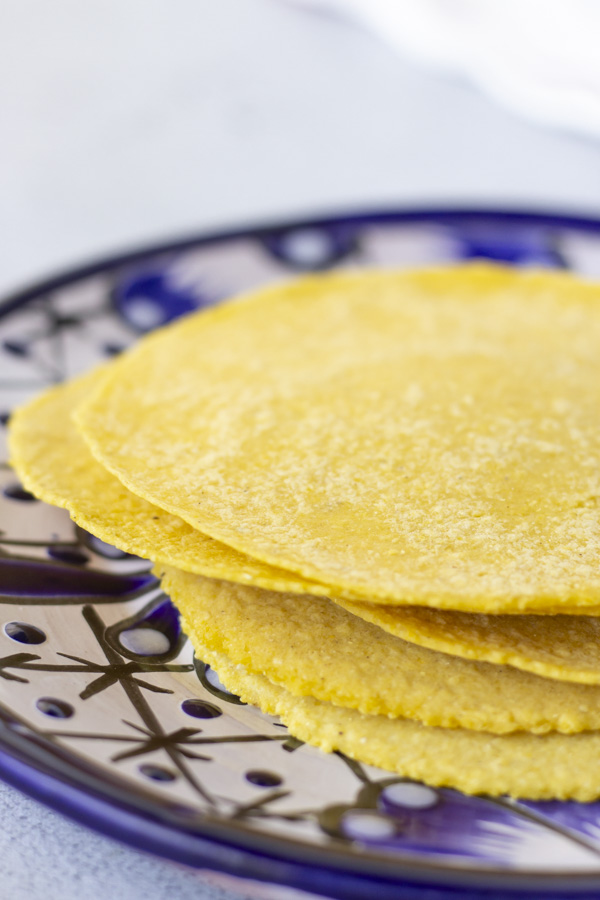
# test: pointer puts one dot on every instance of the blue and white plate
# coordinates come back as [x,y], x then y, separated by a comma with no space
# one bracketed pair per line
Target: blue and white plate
[104,712]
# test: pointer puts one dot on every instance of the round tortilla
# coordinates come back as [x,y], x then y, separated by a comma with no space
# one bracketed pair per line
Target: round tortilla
[536,767]
[43,436]
[312,647]
[423,438]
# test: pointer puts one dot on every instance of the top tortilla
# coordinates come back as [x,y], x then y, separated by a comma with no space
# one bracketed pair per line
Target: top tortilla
[412,437]
[43,438]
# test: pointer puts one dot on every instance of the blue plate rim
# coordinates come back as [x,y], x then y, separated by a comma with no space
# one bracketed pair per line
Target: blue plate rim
[440,214]
[42,776]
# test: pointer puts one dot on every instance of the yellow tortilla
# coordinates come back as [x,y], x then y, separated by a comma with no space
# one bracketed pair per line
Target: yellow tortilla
[556,646]
[311,647]
[54,463]
[537,767]
[422,438]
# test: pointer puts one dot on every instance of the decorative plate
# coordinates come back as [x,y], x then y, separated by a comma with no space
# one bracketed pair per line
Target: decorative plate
[104,712]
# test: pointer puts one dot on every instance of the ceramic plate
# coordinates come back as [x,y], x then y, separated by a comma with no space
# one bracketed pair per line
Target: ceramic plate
[104,712]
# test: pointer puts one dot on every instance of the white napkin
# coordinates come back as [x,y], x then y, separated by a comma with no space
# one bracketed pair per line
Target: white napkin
[539,57]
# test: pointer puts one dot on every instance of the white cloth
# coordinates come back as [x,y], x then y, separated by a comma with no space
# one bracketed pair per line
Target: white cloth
[539,57]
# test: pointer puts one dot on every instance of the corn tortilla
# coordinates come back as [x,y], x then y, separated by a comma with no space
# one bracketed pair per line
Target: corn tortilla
[536,767]
[564,647]
[423,438]
[312,647]
[53,461]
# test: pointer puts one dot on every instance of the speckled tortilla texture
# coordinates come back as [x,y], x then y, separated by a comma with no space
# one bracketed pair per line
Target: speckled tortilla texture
[425,438]
[536,767]
[312,647]
[54,463]
[560,646]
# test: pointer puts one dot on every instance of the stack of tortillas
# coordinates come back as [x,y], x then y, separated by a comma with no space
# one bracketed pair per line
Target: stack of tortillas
[375,499]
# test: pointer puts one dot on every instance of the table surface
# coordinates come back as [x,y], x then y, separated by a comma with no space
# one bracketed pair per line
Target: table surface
[127,123]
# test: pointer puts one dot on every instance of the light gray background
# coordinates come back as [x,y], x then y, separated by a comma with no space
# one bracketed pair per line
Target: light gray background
[123,121]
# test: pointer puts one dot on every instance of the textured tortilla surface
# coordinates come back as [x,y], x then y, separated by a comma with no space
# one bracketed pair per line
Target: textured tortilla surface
[54,463]
[423,438]
[536,767]
[312,647]
[560,646]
